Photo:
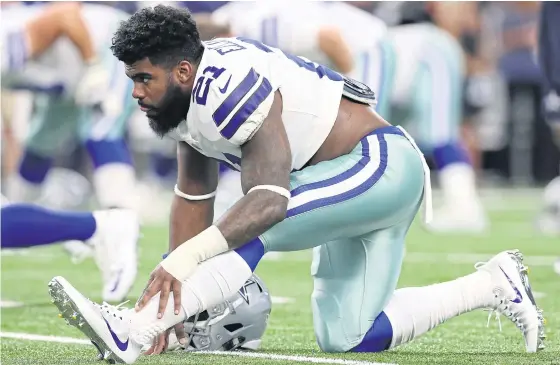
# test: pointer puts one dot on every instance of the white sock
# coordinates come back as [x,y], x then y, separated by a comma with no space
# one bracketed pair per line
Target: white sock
[414,311]
[215,280]
[115,185]
[458,183]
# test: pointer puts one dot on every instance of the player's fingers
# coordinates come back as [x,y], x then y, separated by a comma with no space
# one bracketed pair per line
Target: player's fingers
[165,289]
[162,344]
[177,296]
[150,351]
[149,293]
[145,289]
[180,333]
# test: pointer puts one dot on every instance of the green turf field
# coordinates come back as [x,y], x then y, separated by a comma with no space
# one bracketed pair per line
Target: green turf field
[464,340]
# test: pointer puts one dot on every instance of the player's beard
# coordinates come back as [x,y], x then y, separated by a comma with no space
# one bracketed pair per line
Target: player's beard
[170,111]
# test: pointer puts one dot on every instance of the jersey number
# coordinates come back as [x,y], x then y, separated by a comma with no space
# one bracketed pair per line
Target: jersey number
[202,86]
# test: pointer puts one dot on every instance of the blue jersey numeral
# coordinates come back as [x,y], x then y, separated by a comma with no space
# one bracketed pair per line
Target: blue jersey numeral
[202,85]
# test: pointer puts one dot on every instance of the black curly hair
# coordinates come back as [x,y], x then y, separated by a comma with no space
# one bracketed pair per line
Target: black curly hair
[164,34]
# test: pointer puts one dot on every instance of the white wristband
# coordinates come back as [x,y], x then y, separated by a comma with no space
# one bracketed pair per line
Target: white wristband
[193,197]
[277,189]
[182,261]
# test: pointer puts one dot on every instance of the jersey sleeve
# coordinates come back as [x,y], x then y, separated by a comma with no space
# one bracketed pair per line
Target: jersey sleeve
[239,102]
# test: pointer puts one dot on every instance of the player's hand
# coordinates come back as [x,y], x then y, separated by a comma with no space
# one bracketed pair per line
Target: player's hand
[163,342]
[164,283]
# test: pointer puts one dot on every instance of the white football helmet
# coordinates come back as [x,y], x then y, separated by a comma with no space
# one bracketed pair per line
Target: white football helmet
[238,323]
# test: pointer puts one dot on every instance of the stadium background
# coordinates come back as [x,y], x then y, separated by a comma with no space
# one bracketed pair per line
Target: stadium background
[508,139]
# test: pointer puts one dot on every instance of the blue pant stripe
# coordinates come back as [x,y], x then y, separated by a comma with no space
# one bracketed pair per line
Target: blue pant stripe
[319,203]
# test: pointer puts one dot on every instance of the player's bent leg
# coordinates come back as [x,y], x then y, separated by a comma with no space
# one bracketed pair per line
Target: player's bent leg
[438,112]
[103,135]
[353,280]
[112,234]
[52,123]
[26,225]
[113,176]
[501,285]
[371,188]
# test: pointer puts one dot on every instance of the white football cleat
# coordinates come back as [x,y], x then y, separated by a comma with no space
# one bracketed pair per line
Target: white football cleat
[514,298]
[105,325]
[115,251]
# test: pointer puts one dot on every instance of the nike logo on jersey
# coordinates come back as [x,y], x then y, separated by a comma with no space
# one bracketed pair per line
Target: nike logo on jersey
[224,89]
[519,297]
[121,345]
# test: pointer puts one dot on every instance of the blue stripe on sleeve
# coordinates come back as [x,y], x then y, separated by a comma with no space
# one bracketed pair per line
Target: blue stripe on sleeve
[247,109]
[233,99]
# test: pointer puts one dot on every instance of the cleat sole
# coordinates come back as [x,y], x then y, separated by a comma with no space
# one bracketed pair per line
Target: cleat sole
[70,311]
[523,273]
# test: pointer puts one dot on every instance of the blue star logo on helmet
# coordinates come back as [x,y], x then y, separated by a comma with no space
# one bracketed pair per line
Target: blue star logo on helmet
[243,290]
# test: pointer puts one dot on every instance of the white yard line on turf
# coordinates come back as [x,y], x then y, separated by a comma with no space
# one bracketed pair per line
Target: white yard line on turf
[314,360]
[258,355]
[10,304]
[32,337]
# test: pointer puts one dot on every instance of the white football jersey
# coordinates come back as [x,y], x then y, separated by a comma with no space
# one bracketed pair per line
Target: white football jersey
[233,93]
[59,68]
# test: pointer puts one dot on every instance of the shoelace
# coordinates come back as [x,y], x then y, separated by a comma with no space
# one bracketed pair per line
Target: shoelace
[502,308]
[114,310]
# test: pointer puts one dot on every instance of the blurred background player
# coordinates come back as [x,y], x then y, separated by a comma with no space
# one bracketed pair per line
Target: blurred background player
[428,99]
[356,43]
[111,235]
[549,52]
[53,51]
[85,97]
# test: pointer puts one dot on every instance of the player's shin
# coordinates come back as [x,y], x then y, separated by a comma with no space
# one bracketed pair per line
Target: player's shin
[457,176]
[25,225]
[25,185]
[214,281]
[412,312]
[114,177]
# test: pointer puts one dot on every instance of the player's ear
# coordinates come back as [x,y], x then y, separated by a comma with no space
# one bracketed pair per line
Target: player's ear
[185,71]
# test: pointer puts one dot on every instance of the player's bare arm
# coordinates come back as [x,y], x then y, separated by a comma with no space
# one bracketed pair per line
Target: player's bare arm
[266,161]
[336,48]
[62,19]
[266,167]
[197,176]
